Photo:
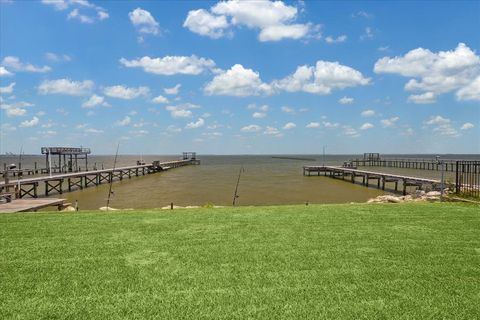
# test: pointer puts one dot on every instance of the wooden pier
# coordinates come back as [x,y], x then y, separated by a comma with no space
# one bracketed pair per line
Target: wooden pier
[31,171]
[380,178]
[28,205]
[406,163]
[56,183]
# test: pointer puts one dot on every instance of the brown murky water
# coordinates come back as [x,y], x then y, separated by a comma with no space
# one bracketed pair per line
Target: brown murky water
[265,181]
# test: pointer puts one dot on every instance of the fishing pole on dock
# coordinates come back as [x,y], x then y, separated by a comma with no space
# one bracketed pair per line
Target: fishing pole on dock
[20,158]
[19,168]
[235,195]
[111,177]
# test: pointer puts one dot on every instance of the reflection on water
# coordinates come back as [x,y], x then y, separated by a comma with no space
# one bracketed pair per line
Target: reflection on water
[266,181]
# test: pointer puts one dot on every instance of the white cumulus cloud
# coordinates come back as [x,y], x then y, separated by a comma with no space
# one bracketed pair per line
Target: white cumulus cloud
[470,91]
[467,126]
[173,90]
[345,100]
[8,89]
[368,113]
[259,115]
[124,122]
[53,57]
[251,128]
[75,14]
[288,110]
[442,126]
[237,81]
[272,131]
[94,101]
[437,120]
[14,63]
[366,126]
[57,4]
[195,125]
[436,73]
[143,21]
[350,132]
[15,112]
[206,24]
[330,125]
[424,98]
[289,125]
[283,31]
[389,123]
[82,10]
[30,123]
[126,93]
[313,125]
[4,72]
[322,79]
[338,39]
[274,19]
[181,111]
[160,99]
[170,65]
[65,86]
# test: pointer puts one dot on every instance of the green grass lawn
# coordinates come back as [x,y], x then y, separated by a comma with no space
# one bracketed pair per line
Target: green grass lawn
[399,261]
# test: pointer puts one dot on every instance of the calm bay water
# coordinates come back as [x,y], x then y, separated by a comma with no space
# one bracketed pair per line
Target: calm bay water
[265,181]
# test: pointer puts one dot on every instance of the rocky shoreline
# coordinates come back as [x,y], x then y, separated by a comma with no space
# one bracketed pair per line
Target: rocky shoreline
[418,196]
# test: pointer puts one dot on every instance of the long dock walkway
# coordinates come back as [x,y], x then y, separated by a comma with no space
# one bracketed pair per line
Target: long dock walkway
[380,177]
[79,180]
[407,163]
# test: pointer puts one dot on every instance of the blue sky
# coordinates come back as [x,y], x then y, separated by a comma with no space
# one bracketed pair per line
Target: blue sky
[240,77]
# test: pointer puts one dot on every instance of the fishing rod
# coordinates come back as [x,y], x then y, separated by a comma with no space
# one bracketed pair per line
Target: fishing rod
[235,195]
[111,179]
[20,176]
[20,158]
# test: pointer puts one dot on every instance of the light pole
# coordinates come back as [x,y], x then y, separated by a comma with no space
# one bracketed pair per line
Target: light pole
[49,162]
[324,154]
[441,162]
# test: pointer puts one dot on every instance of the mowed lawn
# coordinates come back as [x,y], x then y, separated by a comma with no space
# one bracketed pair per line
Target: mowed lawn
[398,261]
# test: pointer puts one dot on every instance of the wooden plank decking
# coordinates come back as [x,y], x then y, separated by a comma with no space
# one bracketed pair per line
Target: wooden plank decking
[24,205]
[381,177]
[407,163]
[79,180]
